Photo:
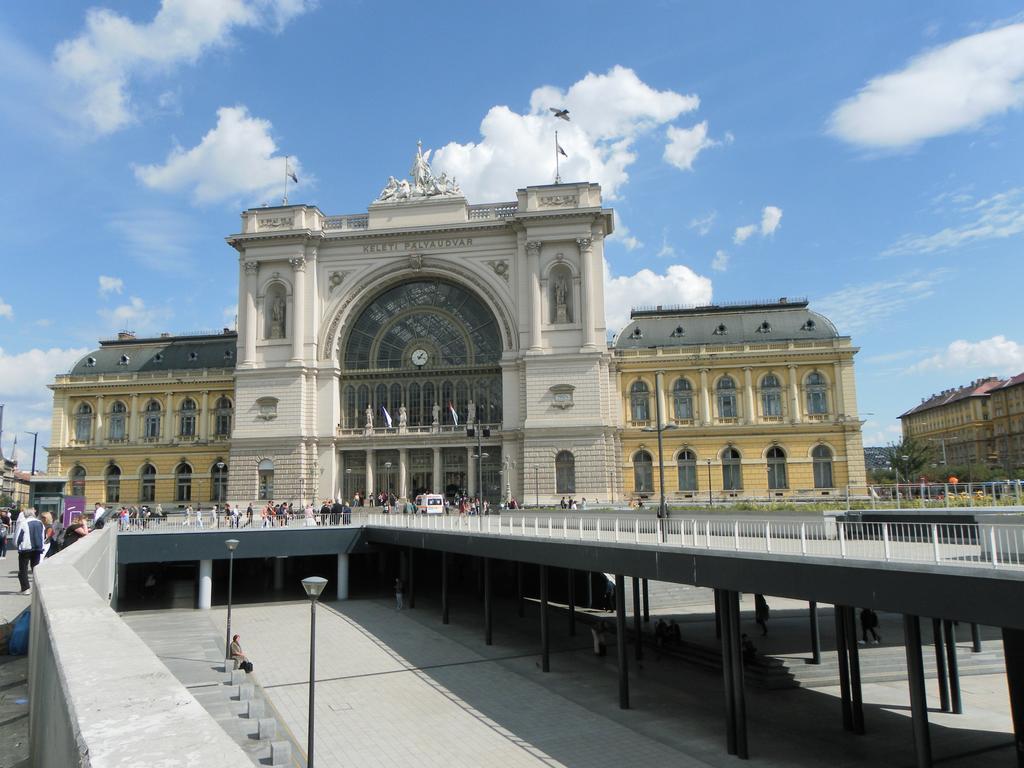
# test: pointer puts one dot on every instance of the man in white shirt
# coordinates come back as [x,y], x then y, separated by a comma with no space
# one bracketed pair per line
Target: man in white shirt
[98,513]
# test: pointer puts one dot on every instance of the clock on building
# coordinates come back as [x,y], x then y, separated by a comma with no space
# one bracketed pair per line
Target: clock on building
[419,357]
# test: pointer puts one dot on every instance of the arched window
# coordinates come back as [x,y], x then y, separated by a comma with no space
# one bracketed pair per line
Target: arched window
[639,401]
[222,417]
[414,412]
[116,423]
[777,469]
[351,420]
[187,418]
[682,399]
[152,420]
[147,483]
[83,423]
[78,481]
[428,403]
[219,482]
[687,463]
[817,394]
[732,470]
[266,479]
[565,472]
[643,473]
[113,484]
[183,482]
[726,398]
[771,396]
[822,456]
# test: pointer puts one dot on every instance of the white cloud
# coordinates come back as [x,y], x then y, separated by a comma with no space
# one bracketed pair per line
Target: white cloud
[100,63]
[993,218]
[622,234]
[771,217]
[134,316]
[721,261]
[684,144]
[998,355]
[858,307]
[948,89]
[608,112]
[235,161]
[703,223]
[6,310]
[742,234]
[678,285]
[110,285]
[877,433]
[667,250]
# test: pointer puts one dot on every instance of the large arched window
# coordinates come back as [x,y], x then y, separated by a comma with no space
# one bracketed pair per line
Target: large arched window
[817,394]
[565,472]
[639,401]
[83,423]
[732,470]
[771,396]
[265,474]
[777,469]
[183,482]
[219,482]
[78,481]
[682,400]
[147,483]
[822,457]
[726,397]
[643,473]
[152,420]
[116,422]
[113,494]
[687,463]
[222,417]
[187,418]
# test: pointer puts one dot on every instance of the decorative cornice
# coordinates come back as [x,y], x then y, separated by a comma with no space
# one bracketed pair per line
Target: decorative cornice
[251,267]
[298,263]
[585,244]
[533,247]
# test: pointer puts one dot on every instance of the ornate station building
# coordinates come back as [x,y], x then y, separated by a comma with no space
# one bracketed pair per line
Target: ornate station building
[368,343]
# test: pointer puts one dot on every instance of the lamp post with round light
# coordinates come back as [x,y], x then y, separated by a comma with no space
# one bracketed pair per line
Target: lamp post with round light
[313,585]
[348,484]
[711,501]
[232,545]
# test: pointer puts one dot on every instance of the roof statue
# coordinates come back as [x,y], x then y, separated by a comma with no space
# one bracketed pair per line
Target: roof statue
[424,183]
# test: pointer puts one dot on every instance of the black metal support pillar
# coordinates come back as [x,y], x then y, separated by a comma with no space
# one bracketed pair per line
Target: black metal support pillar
[815,634]
[572,602]
[636,620]
[545,640]
[853,654]
[1013,652]
[488,603]
[955,703]
[975,638]
[739,695]
[718,617]
[620,639]
[444,587]
[519,590]
[412,577]
[722,622]
[647,602]
[843,659]
[940,665]
[918,697]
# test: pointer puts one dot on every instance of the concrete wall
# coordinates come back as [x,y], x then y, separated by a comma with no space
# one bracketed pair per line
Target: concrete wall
[99,696]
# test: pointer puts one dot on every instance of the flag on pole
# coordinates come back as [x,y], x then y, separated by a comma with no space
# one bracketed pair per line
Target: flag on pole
[386,415]
[560,150]
[290,172]
[455,416]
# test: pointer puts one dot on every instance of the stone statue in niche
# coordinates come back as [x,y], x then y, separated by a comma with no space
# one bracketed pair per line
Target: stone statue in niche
[277,315]
[561,301]
[403,417]
[436,411]
[369,417]
[470,414]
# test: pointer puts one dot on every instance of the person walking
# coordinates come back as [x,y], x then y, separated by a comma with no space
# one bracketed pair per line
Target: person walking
[869,623]
[29,541]
[399,605]
[761,613]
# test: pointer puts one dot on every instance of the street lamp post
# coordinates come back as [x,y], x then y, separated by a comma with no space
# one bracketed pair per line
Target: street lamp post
[348,484]
[711,501]
[509,465]
[387,471]
[313,585]
[660,429]
[536,483]
[232,545]
[35,440]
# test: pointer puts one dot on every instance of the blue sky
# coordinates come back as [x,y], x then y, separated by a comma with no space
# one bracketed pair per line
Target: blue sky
[869,157]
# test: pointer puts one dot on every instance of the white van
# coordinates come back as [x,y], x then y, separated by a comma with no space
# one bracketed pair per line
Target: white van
[430,504]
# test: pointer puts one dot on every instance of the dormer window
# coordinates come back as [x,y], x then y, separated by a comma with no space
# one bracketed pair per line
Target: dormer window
[90,362]
[229,354]
[679,331]
[193,356]
[764,327]
[158,357]
[124,360]
[808,326]
[637,333]
[721,330]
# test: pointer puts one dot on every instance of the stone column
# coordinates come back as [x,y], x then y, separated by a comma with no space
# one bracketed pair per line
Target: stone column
[343,576]
[437,479]
[168,425]
[298,306]
[533,275]
[368,491]
[205,584]
[98,437]
[403,471]
[470,472]
[248,301]
[204,415]
[705,398]
[794,396]
[748,386]
[586,298]
[133,430]
[839,397]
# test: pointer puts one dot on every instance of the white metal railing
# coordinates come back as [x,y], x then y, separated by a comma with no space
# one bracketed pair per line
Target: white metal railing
[996,546]
[427,429]
[927,495]
[206,521]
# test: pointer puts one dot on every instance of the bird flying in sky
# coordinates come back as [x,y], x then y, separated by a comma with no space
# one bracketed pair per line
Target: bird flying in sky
[562,113]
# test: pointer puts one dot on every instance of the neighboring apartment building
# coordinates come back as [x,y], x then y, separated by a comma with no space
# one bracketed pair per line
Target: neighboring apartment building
[147,421]
[755,399]
[1006,408]
[957,422]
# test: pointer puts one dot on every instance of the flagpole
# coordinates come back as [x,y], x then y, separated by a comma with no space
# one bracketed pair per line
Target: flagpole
[284,200]
[558,177]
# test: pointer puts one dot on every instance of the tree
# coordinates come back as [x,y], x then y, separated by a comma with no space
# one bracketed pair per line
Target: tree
[909,457]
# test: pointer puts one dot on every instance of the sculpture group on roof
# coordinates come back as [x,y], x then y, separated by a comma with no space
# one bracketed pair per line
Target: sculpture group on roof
[424,182]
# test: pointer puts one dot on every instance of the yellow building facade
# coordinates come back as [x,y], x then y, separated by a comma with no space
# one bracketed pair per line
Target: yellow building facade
[756,401]
[146,421]
[956,423]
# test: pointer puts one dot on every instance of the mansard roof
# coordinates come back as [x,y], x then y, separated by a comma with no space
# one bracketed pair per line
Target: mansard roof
[977,388]
[128,354]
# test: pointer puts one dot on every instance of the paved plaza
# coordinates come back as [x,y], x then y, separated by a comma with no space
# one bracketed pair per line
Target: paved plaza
[400,688]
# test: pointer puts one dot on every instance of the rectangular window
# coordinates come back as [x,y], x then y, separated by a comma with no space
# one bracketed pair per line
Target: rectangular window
[116,428]
[727,406]
[771,404]
[687,476]
[683,406]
